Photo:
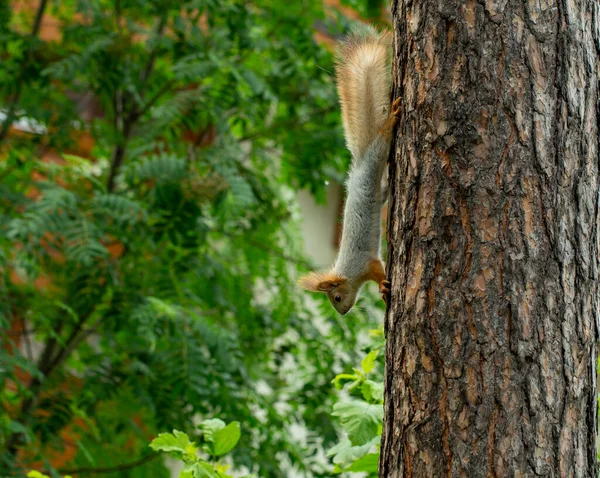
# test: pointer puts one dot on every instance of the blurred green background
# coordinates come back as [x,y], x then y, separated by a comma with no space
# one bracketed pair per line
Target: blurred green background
[152,226]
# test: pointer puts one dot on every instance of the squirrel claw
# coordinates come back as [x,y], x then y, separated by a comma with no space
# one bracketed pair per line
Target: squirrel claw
[384,288]
[395,113]
[396,107]
[392,120]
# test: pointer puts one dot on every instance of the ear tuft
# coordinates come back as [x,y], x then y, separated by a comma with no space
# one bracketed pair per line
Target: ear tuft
[311,281]
[320,282]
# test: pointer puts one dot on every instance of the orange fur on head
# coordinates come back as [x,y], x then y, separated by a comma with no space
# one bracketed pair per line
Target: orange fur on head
[320,281]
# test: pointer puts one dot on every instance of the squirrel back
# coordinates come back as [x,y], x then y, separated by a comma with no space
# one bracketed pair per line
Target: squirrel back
[364,84]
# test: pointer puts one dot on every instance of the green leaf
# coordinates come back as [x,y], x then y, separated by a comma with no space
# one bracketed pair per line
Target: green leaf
[201,469]
[344,453]
[162,307]
[177,444]
[368,363]
[209,427]
[36,474]
[226,439]
[360,420]
[372,391]
[368,463]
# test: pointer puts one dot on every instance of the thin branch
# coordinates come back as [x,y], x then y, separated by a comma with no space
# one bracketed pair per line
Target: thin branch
[110,469]
[129,122]
[73,342]
[38,18]
[49,361]
[160,28]
[117,158]
[49,349]
[151,102]
[14,101]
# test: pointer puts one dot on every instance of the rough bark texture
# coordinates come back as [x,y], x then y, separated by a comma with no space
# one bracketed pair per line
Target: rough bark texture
[494,240]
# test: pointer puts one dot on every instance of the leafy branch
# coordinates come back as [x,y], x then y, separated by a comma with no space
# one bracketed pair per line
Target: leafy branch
[14,100]
[53,355]
[219,439]
[127,122]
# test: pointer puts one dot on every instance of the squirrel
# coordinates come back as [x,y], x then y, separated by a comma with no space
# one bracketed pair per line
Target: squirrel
[363,76]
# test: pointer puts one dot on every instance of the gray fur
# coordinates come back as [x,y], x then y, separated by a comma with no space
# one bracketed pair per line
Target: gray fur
[364,81]
[361,234]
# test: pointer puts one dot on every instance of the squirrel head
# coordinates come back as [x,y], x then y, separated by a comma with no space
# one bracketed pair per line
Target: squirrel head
[340,292]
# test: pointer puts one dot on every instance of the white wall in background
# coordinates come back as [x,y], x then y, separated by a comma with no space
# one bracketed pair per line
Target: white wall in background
[320,224]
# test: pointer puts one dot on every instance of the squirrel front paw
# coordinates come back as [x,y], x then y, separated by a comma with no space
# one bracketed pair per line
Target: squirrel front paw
[396,109]
[384,288]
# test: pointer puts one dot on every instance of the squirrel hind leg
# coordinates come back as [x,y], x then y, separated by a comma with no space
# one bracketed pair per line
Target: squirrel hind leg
[392,120]
[377,274]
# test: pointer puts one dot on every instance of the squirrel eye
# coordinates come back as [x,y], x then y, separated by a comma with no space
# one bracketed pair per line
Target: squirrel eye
[337,298]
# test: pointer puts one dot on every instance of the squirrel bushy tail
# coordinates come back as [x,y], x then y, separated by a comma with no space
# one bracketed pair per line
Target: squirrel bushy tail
[364,83]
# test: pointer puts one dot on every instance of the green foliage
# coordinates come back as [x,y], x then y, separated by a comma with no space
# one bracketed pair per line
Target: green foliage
[219,439]
[177,445]
[361,416]
[359,420]
[149,242]
[37,474]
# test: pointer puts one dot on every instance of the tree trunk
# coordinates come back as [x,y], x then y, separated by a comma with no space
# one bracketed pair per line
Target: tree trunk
[493,240]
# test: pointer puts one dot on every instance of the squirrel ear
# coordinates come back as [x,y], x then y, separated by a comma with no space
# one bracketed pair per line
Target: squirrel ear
[327,286]
[312,281]
[319,282]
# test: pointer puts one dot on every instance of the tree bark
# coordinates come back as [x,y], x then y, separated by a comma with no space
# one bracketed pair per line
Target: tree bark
[493,240]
